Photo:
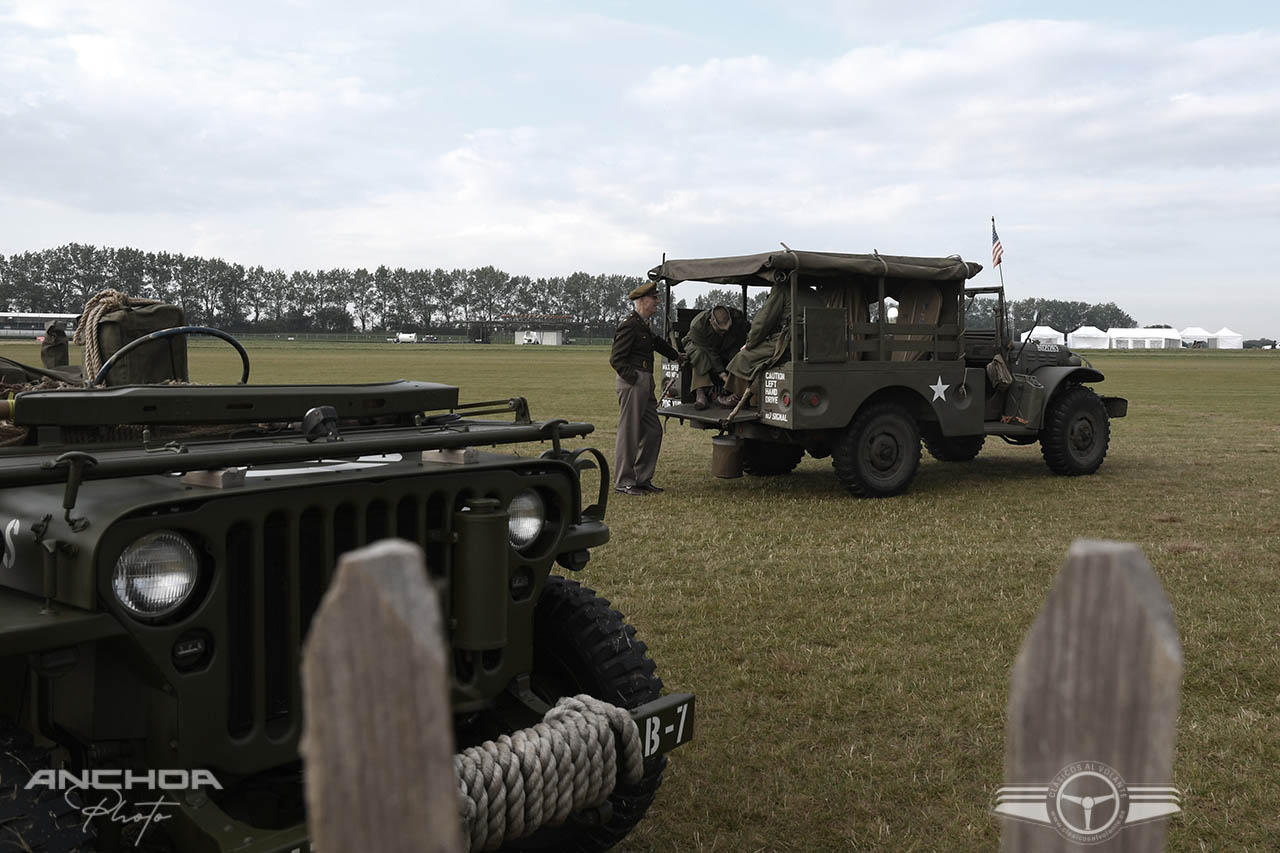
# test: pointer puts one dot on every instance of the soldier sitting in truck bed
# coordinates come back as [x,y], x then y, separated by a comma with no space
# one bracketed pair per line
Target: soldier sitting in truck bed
[769,338]
[714,337]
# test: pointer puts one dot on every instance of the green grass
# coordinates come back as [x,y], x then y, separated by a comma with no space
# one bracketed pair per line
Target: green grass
[851,657]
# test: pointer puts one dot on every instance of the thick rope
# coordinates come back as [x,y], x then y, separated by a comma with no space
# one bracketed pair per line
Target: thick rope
[537,777]
[103,302]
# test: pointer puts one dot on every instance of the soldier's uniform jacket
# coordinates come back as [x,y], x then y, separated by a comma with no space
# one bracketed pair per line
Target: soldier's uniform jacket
[633,346]
[708,348]
[770,332]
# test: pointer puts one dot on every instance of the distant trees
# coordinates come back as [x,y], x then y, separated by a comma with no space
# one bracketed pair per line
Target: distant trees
[1062,315]
[732,298]
[1067,316]
[1108,316]
[229,295]
[215,292]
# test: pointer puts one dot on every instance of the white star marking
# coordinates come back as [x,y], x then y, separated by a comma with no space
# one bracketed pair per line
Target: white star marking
[939,390]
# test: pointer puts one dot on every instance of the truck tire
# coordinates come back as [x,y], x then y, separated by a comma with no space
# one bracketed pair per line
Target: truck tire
[770,458]
[581,645]
[878,454]
[951,448]
[39,819]
[1076,432]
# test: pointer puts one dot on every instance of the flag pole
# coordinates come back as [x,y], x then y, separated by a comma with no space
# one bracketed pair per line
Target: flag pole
[999,266]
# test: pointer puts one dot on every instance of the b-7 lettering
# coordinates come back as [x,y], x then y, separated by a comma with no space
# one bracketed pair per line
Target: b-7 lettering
[652,735]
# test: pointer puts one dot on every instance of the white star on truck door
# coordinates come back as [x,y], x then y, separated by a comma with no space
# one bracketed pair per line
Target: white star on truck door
[939,390]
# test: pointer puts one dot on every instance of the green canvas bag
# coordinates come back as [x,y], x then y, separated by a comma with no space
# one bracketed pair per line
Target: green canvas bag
[163,360]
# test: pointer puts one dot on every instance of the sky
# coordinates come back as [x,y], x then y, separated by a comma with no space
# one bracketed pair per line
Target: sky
[1129,155]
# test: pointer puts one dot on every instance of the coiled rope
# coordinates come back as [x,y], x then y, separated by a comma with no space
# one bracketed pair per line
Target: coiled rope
[538,776]
[103,302]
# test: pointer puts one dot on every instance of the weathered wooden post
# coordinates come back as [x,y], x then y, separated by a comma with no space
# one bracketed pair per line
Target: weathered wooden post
[378,744]
[1092,707]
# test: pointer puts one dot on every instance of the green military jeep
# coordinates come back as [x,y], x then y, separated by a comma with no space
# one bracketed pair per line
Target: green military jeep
[165,548]
[888,359]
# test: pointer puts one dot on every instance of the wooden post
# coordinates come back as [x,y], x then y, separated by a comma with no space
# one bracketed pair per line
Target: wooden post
[378,744]
[1094,691]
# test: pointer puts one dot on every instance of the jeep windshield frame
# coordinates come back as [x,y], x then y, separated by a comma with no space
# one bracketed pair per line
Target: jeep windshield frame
[392,417]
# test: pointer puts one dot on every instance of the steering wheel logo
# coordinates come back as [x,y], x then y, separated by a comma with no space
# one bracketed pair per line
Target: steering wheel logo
[1087,802]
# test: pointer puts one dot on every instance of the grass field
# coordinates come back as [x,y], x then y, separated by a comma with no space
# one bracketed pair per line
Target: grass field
[851,657]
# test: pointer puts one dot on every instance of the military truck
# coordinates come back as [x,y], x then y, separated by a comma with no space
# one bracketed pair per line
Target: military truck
[166,546]
[887,359]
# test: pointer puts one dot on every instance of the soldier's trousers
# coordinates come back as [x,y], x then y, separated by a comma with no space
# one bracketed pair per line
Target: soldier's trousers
[635,456]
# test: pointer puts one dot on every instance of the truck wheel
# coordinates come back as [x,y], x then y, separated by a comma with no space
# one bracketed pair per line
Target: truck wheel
[581,645]
[1076,433]
[951,448]
[878,454]
[769,458]
[39,819]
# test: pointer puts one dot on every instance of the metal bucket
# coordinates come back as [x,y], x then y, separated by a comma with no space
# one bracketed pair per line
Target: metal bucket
[726,456]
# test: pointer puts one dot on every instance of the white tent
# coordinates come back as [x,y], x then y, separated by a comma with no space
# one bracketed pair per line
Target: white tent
[547,337]
[1145,339]
[1192,335]
[1045,335]
[1088,337]
[1224,338]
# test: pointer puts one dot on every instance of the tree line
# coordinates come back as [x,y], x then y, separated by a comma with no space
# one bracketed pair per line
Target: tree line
[215,292]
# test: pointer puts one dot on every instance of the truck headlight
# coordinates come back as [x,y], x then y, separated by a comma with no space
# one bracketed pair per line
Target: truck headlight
[525,518]
[156,574]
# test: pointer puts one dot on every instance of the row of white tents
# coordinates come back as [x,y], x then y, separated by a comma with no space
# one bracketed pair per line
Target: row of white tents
[1091,337]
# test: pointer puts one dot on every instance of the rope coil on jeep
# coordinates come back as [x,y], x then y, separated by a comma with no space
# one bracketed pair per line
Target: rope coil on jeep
[102,302]
[538,776]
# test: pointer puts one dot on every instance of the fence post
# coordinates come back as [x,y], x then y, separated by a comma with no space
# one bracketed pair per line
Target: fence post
[1096,683]
[378,745]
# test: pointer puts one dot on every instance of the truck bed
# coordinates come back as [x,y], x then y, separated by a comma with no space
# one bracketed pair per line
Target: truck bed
[710,417]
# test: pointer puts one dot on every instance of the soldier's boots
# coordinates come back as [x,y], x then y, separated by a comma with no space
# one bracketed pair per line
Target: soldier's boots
[700,399]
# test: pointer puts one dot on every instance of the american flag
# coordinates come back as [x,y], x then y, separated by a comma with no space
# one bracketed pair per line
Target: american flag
[997,251]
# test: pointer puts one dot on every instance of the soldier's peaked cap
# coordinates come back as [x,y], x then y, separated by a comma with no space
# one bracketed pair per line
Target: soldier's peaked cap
[643,290]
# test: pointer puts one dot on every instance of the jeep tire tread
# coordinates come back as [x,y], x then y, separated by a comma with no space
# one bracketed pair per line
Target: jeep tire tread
[1076,432]
[582,645]
[950,448]
[878,454]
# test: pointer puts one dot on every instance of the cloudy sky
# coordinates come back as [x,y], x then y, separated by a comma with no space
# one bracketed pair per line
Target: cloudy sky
[1128,155]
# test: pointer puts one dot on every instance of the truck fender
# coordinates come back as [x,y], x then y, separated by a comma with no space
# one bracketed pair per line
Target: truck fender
[1052,377]
[27,626]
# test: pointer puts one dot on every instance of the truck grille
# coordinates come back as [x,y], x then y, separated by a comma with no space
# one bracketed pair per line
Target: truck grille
[269,551]
[277,571]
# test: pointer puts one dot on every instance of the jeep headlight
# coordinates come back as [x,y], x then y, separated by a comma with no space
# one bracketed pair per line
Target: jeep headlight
[156,574]
[525,518]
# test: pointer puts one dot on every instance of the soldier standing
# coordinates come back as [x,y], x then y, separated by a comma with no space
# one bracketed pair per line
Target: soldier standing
[635,456]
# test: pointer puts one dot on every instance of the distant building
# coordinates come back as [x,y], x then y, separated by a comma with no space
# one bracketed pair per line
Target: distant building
[547,337]
[1088,337]
[1045,335]
[28,324]
[1224,338]
[1193,335]
[1145,339]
